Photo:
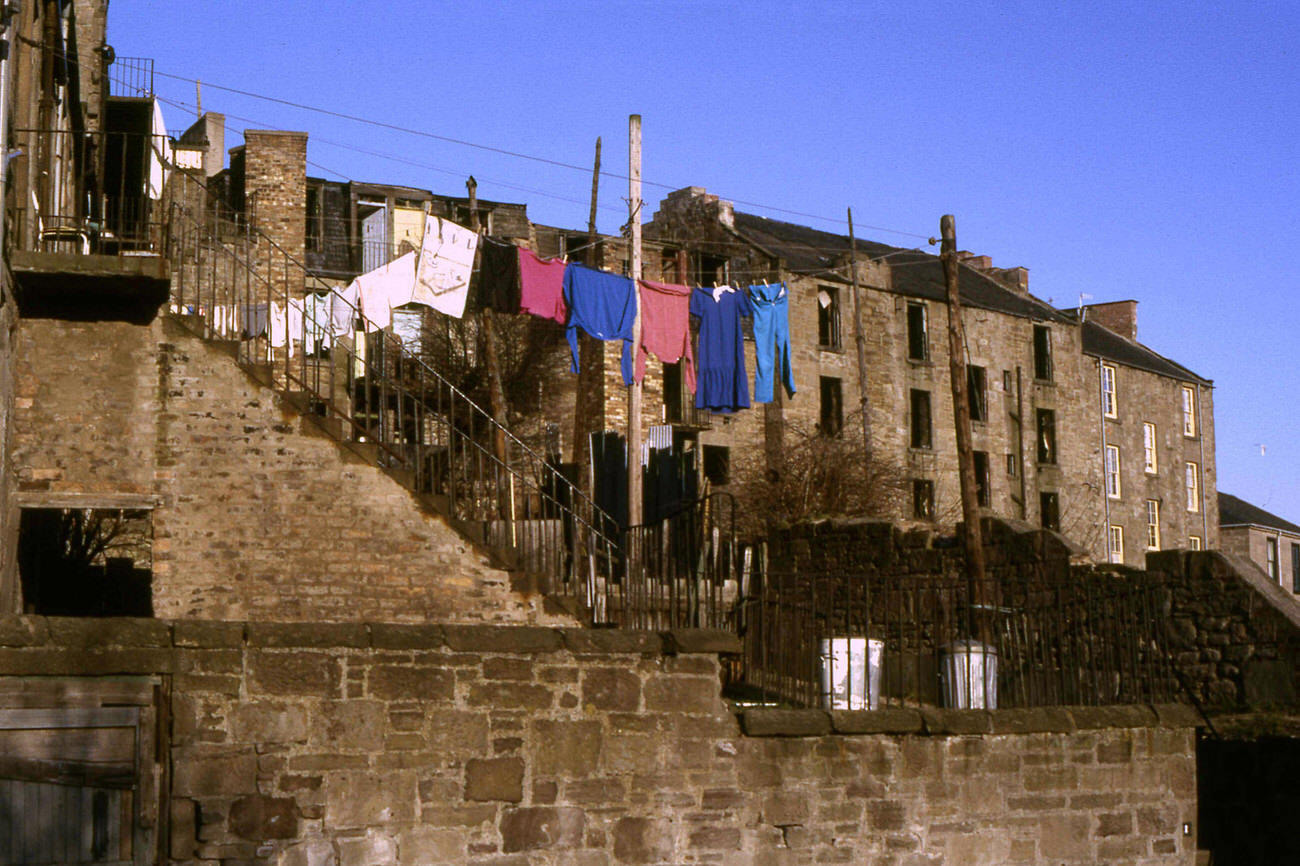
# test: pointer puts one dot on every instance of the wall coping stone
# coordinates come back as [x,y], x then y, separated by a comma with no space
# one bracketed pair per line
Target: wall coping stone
[88,633]
[944,721]
[23,631]
[406,637]
[1131,716]
[773,722]
[1033,720]
[505,639]
[208,634]
[318,635]
[886,720]
[613,640]
[684,641]
[1178,716]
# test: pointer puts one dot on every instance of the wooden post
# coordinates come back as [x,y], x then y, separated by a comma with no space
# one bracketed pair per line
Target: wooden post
[634,390]
[973,544]
[496,391]
[864,403]
[590,368]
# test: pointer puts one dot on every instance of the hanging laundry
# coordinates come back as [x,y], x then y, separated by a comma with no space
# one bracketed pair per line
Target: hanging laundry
[666,328]
[345,309]
[541,286]
[771,305]
[252,320]
[317,325]
[286,324]
[723,384]
[384,288]
[603,305]
[498,276]
[444,266]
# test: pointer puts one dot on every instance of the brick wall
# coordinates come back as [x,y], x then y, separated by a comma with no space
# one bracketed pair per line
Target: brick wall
[253,516]
[275,190]
[355,744]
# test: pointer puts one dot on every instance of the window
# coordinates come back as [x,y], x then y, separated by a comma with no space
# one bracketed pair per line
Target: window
[977,393]
[1295,568]
[1046,436]
[1043,353]
[717,464]
[1189,411]
[832,410]
[922,499]
[88,562]
[1270,556]
[674,394]
[1193,481]
[313,231]
[1049,510]
[921,437]
[1153,524]
[828,317]
[1115,539]
[1112,471]
[1194,542]
[1149,448]
[1011,465]
[1109,407]
[982,478]
[918,335]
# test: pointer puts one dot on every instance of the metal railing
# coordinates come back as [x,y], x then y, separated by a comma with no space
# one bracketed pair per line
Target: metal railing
[365,387]
[131,76]
[680,572]
[117,212]
[858,641]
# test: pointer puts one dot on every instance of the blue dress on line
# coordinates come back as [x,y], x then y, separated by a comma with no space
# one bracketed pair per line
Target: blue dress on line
[722,385]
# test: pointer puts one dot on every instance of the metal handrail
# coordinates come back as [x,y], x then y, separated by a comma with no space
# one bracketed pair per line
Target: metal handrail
[492,484]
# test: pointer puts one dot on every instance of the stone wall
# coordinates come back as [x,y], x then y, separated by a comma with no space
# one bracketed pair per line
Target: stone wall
[8,509]
[255,516]
[380,744]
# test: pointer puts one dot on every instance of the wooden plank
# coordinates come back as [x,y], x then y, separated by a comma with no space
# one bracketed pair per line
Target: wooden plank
[86,717]
[45,693]
[114,746]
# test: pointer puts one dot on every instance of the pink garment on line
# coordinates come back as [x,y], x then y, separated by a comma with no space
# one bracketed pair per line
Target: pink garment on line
[541,286]
[666,328]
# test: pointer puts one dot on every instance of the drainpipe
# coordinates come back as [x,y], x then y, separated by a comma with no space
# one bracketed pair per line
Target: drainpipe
[1105,493]
[1205,501]
[7,11]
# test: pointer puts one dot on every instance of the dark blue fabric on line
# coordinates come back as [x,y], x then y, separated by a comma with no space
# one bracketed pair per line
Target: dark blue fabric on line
[603,305]
[721,384]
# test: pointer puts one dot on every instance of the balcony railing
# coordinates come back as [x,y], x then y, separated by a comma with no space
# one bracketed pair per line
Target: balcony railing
[858,641]
[131,76]
[116,211]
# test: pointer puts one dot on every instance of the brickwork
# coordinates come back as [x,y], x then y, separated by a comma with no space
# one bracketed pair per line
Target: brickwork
[8,509]
[275,192]
[253,517]
[390,744]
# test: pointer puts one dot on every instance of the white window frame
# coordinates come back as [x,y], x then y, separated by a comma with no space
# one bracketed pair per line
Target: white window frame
[1113,488]
[1116,540]
[1194,541]
[1109,404]
[1192,481]
[1189,412]
[1272,559]
[1153,524]
[1150,462]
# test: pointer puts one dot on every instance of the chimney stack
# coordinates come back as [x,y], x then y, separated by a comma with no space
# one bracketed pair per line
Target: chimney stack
[1119,316]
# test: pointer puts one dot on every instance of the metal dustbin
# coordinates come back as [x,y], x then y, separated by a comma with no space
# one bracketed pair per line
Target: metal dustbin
[849,668]
[969,670]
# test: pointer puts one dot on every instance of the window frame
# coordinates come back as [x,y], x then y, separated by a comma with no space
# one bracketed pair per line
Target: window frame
[923,499]
[1192,485]
[921,438]
[918,331]
[1043,367]
[977,393]
[829,332]
[1115,541]
[1272,555]
[1114,485]
[1109,400]
[1049,506]
[1153,524]
[1295,567]
[983,480]
[1045,436]
[1194,542]
[1150,457]
[1189,412]
[831,410]
[715,464]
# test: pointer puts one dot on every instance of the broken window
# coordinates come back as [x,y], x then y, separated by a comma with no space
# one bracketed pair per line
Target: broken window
[86,561]
[828,317]
[978,392]
[922,499]
[1043,353]
[717,464]
[1046,436]
[832,406]
[1049,510]
[981,478]
[918,337]
[921,437]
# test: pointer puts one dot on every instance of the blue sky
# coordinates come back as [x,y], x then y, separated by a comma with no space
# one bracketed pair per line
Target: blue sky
[1118,150]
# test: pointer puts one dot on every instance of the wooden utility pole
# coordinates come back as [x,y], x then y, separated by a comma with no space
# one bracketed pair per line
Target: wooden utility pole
[634,390]
[864,402]
[591,365]
[973,544]
[496,392]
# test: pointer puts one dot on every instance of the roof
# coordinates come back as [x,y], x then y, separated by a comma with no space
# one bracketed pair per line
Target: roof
[812,252]
[1102,342]
[1238,512]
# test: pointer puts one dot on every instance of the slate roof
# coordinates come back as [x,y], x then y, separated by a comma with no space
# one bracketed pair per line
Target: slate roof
[1102,342]
[915,273]
[1238,512]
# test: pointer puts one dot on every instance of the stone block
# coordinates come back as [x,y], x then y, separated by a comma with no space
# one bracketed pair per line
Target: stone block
[715,838]
[940,721]
[521,640]
[259,818]
[269,723]
[1180,715]
[208,634]
[23,631]
[374,848]
[682,694]
[887,720]
[1065,838]
[611,689]
[541,828]
[411,682]
[571,749]
[200,773]
[642,840]
[1115,824]
[293,673]
[458,733]
[92,633]
[767,722]
[359,799]
[183,829]
[1035,720]
[517,696]
[401,637]
[317,635]
[588,641]
[785,807]
[429,845]
[1131,716]
[701,640]
[494,779]
[349,726]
